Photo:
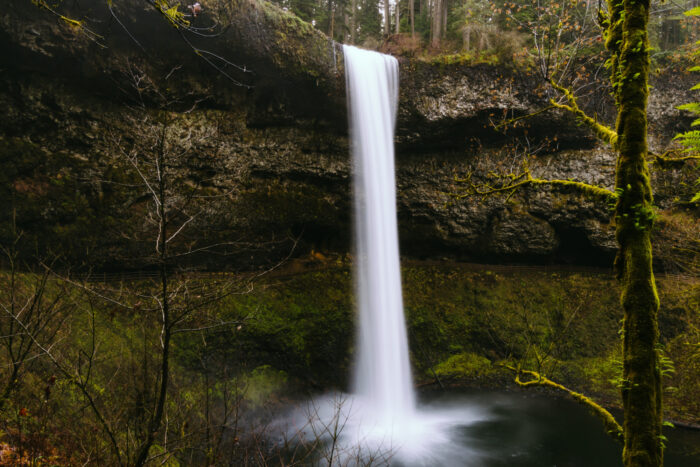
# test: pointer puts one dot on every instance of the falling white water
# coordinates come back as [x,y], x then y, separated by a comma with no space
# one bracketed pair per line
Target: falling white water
[379,423]
[382,372]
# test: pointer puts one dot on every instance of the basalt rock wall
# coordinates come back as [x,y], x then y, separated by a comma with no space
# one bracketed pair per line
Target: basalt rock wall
[257,116]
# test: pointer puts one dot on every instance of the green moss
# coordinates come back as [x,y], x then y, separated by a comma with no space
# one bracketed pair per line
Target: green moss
[302,325]
[460,320]
[464,58]
[453,59]
[298,46]
[464,365]
[602,375]
[281,18]
[641,392]
[263,383]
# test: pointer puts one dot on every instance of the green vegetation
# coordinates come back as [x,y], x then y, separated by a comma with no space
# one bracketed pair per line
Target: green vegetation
[293,334]
[484,30]
[690,140]
[625,29]
[171,369]
[464,365]
[464,323]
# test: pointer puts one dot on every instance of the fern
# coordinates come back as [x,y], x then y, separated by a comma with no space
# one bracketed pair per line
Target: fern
[693,107]
[690,140]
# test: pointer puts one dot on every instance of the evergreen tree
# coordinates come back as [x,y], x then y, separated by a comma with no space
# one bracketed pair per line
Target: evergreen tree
[369,21]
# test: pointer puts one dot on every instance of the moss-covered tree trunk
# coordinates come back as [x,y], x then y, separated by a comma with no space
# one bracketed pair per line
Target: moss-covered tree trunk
[641,392]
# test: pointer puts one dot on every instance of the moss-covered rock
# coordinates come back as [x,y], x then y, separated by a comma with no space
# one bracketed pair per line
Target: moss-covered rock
[465,322]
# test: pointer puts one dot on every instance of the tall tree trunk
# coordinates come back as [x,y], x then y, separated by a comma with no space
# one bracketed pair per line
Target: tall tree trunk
[628,41]
[412,13]
[387,18]
[397,25]
[436,23]
[353,21]
[444,18]
[346,25]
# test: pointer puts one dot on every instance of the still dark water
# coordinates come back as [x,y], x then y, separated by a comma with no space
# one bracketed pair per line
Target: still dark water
[530,430]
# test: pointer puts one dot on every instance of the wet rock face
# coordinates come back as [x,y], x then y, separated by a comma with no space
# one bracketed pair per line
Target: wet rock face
[535,225]
[446,131]
[275,158]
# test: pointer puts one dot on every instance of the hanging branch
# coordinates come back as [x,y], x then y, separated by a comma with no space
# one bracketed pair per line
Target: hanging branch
[179,21]
[666,159]
[76,25]
[611,426]
[506,123]
[514,182]
[603,132]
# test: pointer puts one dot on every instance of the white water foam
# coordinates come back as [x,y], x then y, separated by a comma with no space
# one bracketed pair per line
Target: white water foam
[343,429]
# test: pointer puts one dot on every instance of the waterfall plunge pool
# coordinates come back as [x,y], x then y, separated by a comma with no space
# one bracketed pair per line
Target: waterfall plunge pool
[475,428]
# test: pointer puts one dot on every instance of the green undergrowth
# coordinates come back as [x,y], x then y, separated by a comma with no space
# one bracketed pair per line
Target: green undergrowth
[464,58]
[291,335]
[464,324]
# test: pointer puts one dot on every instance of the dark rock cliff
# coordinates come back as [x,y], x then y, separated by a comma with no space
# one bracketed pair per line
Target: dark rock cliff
[271,145]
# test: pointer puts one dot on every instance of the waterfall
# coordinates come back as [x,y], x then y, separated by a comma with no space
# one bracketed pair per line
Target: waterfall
[380,423]
[382,371]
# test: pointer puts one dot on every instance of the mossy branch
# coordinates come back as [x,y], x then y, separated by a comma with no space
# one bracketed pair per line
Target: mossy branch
[603,132]
[508,122]
[611,426]
[515,182]
[171,12]
[667,158]
[75,25]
